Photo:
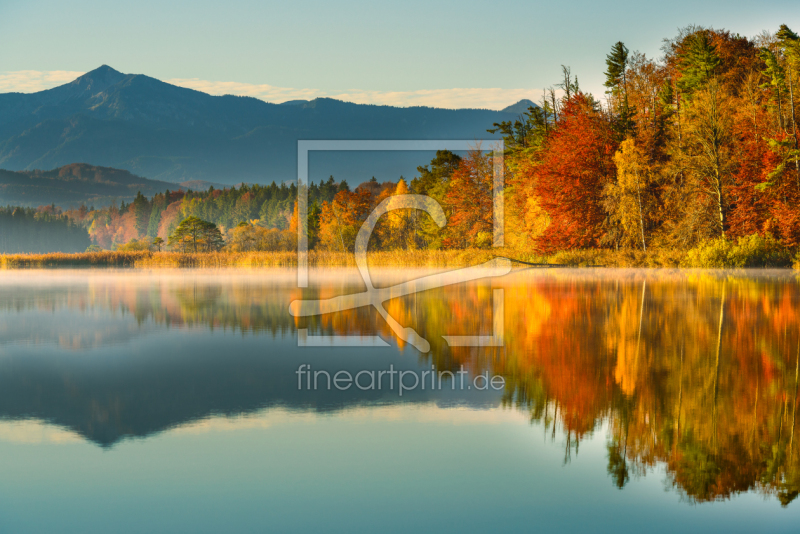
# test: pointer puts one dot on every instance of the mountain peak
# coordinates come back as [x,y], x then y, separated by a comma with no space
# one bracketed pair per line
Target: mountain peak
[104,71]
[99,79]
[520,107]
[91,83]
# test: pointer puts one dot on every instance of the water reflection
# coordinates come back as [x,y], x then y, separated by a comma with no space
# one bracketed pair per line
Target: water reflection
[692,372]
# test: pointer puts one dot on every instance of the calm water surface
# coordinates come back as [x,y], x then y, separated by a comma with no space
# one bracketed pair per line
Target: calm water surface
[168,401]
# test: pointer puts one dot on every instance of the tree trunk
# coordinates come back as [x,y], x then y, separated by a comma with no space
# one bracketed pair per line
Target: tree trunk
[641,212]
[720,208]
[794,130]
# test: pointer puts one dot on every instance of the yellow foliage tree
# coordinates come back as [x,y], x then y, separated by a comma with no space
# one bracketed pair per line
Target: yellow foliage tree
[396,229]
[707,157]
[629,199]
[252,238]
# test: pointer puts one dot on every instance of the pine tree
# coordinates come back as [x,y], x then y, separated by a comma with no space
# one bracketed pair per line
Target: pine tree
[195,233]
[141,210]
[617,82]
[698,62]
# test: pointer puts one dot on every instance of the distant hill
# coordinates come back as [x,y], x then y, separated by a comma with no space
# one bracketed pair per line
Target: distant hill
[520,107]
[74,184]
[172,134]
[202,185]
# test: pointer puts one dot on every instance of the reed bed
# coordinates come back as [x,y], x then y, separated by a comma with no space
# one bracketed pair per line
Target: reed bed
[453,258]
[396,258]
[83,259]
[415,258]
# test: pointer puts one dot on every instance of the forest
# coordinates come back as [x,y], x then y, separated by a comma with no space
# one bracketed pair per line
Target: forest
[28,230]
[696,150]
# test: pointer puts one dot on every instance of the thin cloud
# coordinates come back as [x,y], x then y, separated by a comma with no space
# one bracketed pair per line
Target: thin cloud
[29,81]
[270,93]
[488,98]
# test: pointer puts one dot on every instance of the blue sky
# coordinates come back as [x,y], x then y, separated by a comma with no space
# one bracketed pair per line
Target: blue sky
[447,53]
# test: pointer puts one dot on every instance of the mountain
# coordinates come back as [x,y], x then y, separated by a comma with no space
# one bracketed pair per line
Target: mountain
[78,183]
[173,134]
[520,107]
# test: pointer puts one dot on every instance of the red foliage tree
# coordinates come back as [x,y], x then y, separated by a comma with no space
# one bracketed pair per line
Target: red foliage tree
[576,163]
[750,212]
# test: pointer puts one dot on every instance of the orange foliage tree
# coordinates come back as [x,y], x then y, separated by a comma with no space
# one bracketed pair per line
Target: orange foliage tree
[576,163]
[469,199]
[341,219]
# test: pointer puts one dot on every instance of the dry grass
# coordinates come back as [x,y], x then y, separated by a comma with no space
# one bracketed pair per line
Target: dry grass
[399,258]
[84,259]
[452,258]
[434,258]
[619,258]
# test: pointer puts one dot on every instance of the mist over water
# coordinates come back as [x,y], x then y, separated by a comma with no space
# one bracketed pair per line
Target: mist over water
[666,396]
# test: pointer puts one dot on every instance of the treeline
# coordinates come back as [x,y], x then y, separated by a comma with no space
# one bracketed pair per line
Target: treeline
[266,207]
[696,147]
[29,230]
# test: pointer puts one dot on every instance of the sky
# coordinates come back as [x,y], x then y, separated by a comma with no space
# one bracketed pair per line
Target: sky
[450,54]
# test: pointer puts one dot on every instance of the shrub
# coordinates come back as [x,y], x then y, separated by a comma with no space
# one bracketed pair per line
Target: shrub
[248,238]
[134,245]
[749,251]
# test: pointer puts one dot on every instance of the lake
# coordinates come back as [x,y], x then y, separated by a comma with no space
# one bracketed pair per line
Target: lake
[599,400]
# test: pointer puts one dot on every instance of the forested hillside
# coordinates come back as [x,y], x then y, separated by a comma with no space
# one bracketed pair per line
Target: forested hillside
[75,184]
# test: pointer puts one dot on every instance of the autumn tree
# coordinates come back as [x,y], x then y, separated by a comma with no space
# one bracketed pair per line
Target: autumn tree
[629,199]
[648,89]
[397,228]
[707,159]
[576,164]
[341,219]
[247,237]
[753,204]
[469,201]
[196,234]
